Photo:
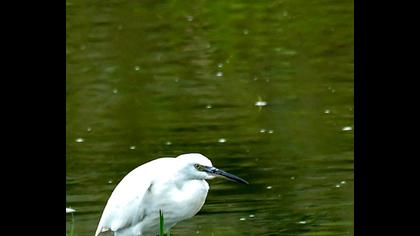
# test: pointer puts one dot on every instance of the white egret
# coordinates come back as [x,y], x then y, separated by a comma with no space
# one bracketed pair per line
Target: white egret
[176,186]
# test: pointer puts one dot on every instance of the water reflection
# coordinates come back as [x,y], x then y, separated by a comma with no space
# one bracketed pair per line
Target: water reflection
[265,89]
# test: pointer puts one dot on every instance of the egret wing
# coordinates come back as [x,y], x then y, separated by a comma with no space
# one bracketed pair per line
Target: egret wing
[124,208]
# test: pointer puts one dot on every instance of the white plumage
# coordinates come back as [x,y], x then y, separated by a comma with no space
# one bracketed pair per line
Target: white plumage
[176,186]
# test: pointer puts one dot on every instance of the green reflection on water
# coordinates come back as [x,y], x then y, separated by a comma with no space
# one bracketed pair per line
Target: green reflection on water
[166,78]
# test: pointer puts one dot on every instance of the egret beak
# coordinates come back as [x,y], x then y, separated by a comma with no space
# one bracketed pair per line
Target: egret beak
[217,172]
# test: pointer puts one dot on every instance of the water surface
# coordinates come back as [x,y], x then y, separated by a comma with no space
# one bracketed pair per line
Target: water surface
[263,88]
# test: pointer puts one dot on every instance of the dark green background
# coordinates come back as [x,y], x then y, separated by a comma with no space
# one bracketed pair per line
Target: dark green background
[172,77]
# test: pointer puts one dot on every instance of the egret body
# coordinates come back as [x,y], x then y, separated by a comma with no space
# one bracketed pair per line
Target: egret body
[177,186]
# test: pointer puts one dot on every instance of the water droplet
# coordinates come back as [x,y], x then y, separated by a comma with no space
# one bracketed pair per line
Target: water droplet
[168,143]
[271,131]
[115,91]
[302,222]
[209,106]
[190,18]
[242,219]
[269,187]
[337,186]
[222,140]
[255,78]
[246,32]
[89,129]
[262,130]
[327,111]
[132,147]
[80,140]
[197,232]
[292,178]
[260,103]
[343,182]
[251,216]
[219,74]
[110,181]
[137,68]
[347,128]
[220,65]
[70,210]
[332,90]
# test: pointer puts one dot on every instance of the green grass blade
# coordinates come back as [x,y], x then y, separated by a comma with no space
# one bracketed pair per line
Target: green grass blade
[72,226]
[161,223]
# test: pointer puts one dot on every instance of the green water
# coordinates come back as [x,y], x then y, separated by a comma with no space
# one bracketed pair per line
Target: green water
[272,79]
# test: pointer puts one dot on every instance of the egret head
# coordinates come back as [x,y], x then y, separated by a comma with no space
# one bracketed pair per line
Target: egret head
[200,167]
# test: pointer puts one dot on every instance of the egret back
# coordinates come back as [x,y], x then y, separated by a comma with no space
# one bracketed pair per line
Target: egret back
[125,206]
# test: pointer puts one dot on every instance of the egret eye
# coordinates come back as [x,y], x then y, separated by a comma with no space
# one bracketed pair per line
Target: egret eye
[198,167]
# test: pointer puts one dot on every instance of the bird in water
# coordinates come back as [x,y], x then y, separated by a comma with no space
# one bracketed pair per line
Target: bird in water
[176,186]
